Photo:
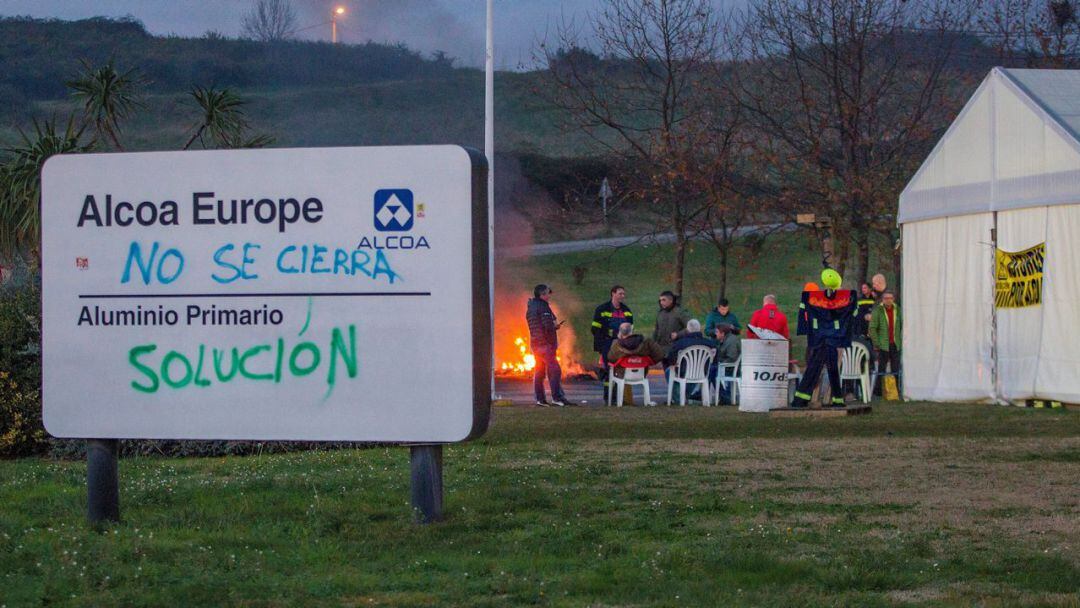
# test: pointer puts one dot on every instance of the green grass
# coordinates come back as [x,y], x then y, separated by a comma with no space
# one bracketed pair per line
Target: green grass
[782,267]
[915,504]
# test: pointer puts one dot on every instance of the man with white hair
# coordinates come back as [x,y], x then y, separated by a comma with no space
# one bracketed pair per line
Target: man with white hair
[693,337]
[629,344]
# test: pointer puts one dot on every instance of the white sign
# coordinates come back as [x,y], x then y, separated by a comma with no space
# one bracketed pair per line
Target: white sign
[305,294]
[764,383]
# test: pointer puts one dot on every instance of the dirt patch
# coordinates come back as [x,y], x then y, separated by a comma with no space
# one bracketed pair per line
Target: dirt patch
[975,488]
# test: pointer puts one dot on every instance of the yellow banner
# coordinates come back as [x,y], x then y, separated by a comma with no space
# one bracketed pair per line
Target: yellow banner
[1020,277]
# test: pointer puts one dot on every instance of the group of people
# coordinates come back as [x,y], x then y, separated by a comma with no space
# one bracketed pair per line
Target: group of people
[874,320]
[614,337]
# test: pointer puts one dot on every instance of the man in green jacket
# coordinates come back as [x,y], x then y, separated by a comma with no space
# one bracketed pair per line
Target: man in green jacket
[671,321]
[721,314]
[885,331]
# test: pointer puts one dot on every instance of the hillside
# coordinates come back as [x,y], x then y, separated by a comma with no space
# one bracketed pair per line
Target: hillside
[302,93]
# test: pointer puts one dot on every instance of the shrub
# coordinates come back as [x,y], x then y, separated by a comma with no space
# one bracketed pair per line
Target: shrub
[21,431]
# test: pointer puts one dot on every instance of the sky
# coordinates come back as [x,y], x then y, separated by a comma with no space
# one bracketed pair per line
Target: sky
[453,26]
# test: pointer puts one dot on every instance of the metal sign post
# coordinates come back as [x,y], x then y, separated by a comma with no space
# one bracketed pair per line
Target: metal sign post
[427,482]
[605,194]
[102,481]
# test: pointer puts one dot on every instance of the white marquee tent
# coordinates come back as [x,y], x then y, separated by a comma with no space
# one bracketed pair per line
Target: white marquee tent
[1005,176]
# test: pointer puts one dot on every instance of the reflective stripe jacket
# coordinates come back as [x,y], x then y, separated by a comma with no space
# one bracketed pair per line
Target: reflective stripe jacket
[862,324]
[827,318]
[605,324]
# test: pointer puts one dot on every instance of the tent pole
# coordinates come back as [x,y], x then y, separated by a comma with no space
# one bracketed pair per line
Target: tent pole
[994,372]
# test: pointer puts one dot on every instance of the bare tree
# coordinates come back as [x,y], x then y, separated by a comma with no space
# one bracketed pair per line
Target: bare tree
[1032,33]
[270,21]
[844,95]
[639,98]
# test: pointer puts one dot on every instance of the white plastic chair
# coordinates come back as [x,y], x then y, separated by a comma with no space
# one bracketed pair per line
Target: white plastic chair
[634,376]
[855,365]
[727,375]
[696,360]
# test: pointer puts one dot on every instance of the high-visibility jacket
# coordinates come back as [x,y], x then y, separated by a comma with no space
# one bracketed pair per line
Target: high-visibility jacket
[826,318]
[605,324]
[861,327]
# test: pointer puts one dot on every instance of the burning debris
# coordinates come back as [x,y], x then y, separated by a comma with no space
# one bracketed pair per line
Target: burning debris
[513,357]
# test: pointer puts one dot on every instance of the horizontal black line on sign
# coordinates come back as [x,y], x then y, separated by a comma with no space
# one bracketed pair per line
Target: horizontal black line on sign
[301,294]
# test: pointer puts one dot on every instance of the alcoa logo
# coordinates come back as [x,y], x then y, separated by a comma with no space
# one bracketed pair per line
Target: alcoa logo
[393,210]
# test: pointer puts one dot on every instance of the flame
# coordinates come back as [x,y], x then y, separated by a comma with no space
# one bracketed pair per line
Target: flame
[526,361]
[514,358]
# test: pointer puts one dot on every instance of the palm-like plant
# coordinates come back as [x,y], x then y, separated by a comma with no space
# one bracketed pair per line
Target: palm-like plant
[108,96]
[223,121]
[20,184]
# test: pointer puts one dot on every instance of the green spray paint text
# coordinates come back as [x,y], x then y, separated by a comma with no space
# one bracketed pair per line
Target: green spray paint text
[261,362]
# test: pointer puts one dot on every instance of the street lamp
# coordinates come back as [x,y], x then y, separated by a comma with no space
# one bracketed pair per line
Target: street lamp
[338,11]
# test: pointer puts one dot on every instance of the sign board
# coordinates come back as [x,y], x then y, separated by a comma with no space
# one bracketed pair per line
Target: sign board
[763,385]
[306,294]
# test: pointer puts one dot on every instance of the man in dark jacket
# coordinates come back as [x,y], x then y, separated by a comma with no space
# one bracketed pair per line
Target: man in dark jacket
[692,337]
[670,320]
[544,342]
[605,327]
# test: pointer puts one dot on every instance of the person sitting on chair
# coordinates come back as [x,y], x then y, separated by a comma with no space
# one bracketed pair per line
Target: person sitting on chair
[693,337]
[629,344]
[728,350]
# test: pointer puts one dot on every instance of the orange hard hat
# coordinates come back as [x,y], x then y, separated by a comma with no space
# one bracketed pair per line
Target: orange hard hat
[811,286]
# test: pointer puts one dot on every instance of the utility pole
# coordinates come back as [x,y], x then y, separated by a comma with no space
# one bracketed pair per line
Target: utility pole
[489,152]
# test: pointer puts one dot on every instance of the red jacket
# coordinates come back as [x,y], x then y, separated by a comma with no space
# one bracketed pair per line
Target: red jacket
[769,317]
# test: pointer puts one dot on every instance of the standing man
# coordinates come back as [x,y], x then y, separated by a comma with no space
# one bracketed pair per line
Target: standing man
[721,314]
[860,328]
[605,327]
[867,300]
[671,321]
[885,330]
[768,317]
[878,283]
[544,342]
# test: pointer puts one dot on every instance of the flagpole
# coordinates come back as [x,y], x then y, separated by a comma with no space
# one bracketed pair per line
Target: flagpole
[489,152]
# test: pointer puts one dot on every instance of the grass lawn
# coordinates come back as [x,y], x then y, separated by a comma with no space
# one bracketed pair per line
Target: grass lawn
[915,504]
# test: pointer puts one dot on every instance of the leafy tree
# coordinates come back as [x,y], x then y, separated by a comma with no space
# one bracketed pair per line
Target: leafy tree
[108,96]
[20,184]
[222,121]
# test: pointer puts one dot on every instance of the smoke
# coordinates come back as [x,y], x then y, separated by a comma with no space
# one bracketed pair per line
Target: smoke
[423,25]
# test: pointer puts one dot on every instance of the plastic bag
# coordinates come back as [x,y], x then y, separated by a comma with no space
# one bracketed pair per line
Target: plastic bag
[888,389]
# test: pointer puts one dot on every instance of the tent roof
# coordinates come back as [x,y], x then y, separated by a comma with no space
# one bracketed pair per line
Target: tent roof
[1015,144]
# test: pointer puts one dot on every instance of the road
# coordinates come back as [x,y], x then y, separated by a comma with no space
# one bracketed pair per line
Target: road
[586,393]
[621,241]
